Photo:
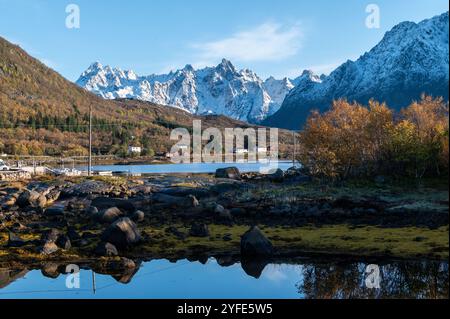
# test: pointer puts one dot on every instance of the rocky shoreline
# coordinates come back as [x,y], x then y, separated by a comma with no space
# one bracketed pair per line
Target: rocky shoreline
[119,221]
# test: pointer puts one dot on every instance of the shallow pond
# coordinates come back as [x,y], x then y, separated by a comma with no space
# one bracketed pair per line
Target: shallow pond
[185,279]
[190,168]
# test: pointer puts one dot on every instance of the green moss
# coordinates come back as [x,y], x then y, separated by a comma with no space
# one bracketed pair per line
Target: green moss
[333,239]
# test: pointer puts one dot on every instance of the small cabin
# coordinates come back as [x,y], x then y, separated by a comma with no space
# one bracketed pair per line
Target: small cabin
[134,150]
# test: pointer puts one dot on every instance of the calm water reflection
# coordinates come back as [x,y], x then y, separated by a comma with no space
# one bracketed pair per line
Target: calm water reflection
[223,278]
[188,168]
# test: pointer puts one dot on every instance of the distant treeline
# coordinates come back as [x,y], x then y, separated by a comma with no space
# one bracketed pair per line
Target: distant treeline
[67,136]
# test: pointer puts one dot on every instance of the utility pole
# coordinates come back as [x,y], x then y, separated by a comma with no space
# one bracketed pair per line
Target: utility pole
[90,141]
[94,289]
[295,148]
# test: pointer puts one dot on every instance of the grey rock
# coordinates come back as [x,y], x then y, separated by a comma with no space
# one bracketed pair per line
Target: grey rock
[91,210]
[199,230]
[138,216]
[109,215]
[122,233]
[228,172]
[49,248]
[219,209]
[56,210]
[254,243]
[176,201]
[277,176]
[31,198]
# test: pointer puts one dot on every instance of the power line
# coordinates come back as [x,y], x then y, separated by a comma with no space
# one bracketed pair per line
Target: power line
[87,290]
[65,125]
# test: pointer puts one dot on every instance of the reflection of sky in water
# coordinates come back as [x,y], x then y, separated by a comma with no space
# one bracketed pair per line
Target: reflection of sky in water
[162,279]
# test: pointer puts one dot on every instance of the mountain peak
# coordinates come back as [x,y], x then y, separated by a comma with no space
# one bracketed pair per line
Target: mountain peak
[411,59]
[95,66]
[309,75]
[226,65]
[189,68]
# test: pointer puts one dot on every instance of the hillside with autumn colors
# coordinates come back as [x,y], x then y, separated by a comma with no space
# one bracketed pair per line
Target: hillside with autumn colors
[42,113]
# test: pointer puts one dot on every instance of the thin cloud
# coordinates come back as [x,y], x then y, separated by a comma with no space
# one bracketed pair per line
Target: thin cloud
[266,42]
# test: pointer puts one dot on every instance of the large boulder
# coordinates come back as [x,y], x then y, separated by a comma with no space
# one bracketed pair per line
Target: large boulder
[122,233]
[52,240]
[277,176]
[138,216]
[109,215]
[228,172]
[91,211]
[254,243]
[219,209]
[199,230]
[55,210]
[184,202]
[31,198]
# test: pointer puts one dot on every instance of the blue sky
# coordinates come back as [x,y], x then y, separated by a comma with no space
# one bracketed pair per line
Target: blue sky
[279,38]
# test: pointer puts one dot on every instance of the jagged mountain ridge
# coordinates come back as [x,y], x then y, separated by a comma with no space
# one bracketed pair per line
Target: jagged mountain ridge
[411,59]
[221,90]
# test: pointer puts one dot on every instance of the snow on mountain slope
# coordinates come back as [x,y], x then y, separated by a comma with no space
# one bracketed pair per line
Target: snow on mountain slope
[411,59]
[222,89]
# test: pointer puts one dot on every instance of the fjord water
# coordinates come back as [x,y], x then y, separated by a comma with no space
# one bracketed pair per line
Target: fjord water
[190,167]
[185,279]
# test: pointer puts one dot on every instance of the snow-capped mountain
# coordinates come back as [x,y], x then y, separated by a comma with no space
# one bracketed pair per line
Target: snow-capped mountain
[411,59]
[222,89]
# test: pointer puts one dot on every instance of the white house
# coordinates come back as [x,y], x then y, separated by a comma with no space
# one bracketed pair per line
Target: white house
[241,151]
[261,149]
[134,149]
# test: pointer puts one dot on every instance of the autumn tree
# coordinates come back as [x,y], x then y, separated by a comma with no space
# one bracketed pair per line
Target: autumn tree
[354,140]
